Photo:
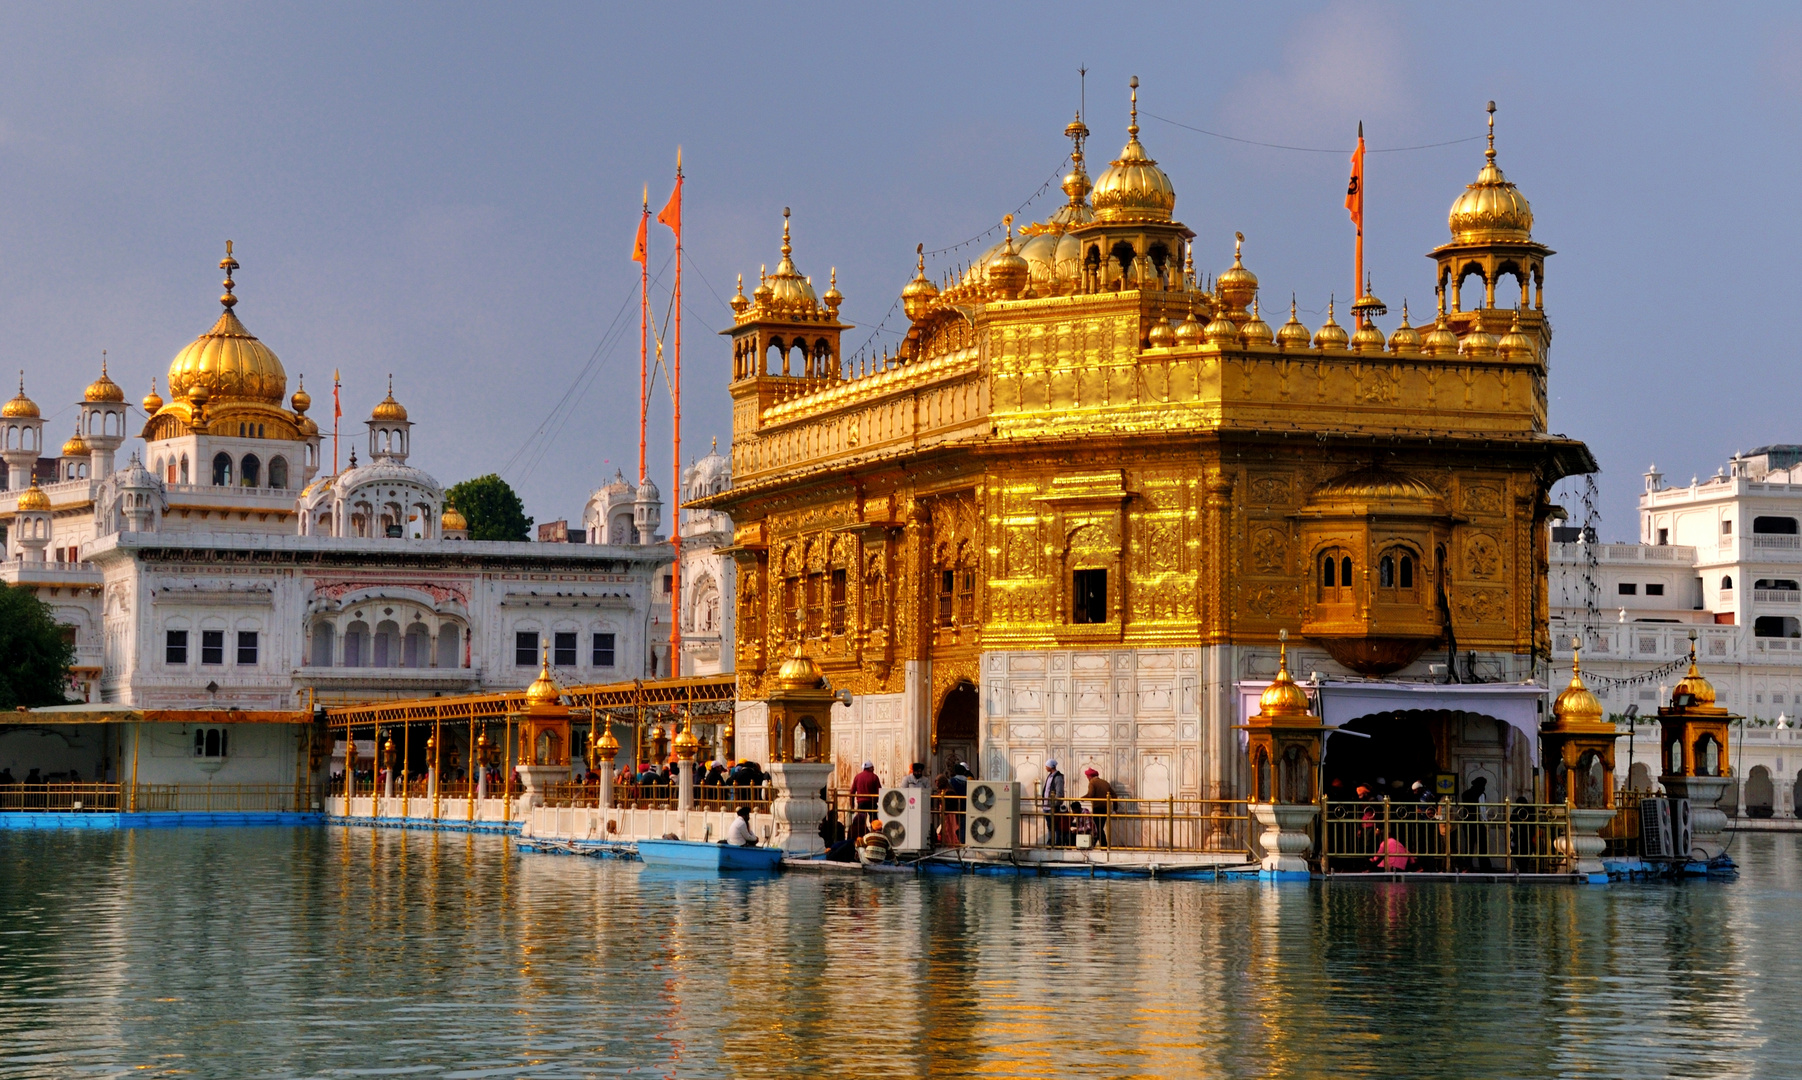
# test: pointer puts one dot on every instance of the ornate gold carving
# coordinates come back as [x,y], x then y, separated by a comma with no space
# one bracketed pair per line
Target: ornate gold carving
[1482,605]
[1482,556]
[1269,550]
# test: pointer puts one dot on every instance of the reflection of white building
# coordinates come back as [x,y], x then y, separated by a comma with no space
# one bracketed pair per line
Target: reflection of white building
[218,569]
[1719,557]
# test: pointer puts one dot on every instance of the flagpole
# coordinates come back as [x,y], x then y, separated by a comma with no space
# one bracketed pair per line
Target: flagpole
[644,320]
[672,217]
[1358,270]
[337,411]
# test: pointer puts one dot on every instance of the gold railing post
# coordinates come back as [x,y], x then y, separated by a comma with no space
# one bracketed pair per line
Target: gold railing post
[437,763]
[406,770]
[1508,836]
[137,729]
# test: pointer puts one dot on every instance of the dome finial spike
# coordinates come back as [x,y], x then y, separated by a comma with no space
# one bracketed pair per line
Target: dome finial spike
[1132,129]
[1490,153]
[228,264]
[785,246]
[1238,246]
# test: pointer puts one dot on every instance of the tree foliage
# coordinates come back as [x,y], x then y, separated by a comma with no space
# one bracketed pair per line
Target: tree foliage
[492,508]
[34,654]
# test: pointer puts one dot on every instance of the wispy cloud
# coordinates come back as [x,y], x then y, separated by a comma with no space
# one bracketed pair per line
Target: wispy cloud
[1342,63]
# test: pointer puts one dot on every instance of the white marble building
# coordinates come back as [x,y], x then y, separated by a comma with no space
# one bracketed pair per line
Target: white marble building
[219,569]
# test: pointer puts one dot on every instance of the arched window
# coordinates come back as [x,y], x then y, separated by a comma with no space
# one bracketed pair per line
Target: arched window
[1726,581]
[1386,572]
[278,472]
[1335,577]
[1395,576]
[251,470]
[184,468]
[222,469]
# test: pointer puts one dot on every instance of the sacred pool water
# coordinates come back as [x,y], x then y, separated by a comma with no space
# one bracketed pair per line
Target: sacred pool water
[241,953]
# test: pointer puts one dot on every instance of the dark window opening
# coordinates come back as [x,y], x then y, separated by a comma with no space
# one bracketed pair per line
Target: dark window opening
[1628,588]
[1345,571]
[563,648]
[1653,589]
[1726,582]
[603,650]
[947,589]
[1775,583]
[222,469]
[212,646]
[1407,571]
[1781,526]
[250,470]
[209,742]
[1664,537]
[838,601]
[1386,573]
[175,647]
[1783,626]
[247,646]
[1329,573]
[525,647]
[966,597]
[1088,590]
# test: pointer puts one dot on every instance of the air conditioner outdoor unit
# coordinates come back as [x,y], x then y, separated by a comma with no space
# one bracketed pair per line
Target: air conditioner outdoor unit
[1680,835]
[992,815]
[906,816]
[1655,839]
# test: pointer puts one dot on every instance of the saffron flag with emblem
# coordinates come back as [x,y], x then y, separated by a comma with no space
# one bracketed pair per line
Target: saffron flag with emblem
[1354,191]
[337,409]
[639,250]
[671,214]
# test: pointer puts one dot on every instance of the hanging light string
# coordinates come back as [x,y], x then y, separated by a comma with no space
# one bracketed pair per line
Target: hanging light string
[1309,149]
[863,351]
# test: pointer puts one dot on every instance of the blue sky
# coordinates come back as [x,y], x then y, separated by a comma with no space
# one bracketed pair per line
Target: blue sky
[448,192]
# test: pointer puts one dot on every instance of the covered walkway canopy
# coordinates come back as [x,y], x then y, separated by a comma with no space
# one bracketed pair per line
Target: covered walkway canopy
[704,694]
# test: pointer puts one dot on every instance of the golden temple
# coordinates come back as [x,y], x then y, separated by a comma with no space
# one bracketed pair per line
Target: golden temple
[1071,514]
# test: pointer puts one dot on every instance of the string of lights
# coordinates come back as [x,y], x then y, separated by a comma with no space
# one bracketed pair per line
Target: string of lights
[1309,149]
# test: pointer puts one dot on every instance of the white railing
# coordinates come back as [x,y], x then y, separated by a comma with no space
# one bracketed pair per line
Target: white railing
[1779,645]
[1776,541]
[1777,596]
[1726,596]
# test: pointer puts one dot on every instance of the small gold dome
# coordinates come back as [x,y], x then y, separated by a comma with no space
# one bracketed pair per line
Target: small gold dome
[833,297]
[1189,332]
[20,407]
[1516,345]
[33,498]
[1236,285]
[1576,704]
[798,672]
[1283,697]
[1479,342]
[740,302]
[919,293]
[104,389]
[1490,208]
[452,520]
[543,690]
[1331,335]
[762,293]
[1293,335]
[301,401]
[1133,188]
[1405,338]
[153,401]
[1698,691]
[607,744]
[685,744]
[1256,330]
[1223,332]
[1368,339]
[388,408]
[76,446]
[1440,341]
[1007,271]
[788,291]
[1162,335]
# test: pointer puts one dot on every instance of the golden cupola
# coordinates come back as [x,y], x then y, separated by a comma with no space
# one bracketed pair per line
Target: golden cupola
[1515,344]
[1577,705]
[76,446]
[301,401]
[1007,271]
[1491,208]
[1293,334]
[20,407]
[153,401]
[543,690]
[1692,691]
[1283,697]
[790,293]
[1256,330]
[33,499]
[1331,335]
[918,295]
[798,672]
[1236,286]
[1133,189]
[388,408]
[228,361]
[104,389]
[1405,338]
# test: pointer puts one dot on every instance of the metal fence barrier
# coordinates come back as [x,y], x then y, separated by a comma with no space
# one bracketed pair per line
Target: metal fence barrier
[1381,836]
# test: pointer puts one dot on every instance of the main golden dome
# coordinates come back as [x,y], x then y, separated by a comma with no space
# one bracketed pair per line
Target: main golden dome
[1133,188]
[228,361]
[1491,207]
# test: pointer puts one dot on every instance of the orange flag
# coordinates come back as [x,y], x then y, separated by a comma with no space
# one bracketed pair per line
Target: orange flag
[639,250]
[1354,191]
[671,214]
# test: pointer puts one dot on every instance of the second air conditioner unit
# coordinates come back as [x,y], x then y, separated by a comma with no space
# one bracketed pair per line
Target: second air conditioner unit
[992,815]
[906,818]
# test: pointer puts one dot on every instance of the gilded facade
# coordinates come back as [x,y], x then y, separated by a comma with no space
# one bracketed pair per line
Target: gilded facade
[1077,505]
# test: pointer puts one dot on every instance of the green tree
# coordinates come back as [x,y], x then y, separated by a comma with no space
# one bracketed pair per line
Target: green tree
[492,508]
[34,654]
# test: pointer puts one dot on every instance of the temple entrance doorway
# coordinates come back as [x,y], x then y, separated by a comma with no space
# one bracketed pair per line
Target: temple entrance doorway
[1386,752]
[956,729]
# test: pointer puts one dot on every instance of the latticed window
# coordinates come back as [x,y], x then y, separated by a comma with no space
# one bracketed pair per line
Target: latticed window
[838,601]
[1335,578]
[816,585]
[947,595]
[966,597]
[875,607]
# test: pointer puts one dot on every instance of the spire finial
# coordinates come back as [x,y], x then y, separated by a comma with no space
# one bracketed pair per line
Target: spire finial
[1282,653]
[1404,311]
[1576,658]
[228,264]
[785,248]
[1490,153]
[1291,307]
[1132,129]
[103,363]
[1238,243]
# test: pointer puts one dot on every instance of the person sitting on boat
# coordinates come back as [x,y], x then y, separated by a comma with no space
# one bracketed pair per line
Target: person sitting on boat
[740,834]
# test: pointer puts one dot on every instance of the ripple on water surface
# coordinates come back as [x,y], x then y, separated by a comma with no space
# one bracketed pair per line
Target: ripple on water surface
[240,953]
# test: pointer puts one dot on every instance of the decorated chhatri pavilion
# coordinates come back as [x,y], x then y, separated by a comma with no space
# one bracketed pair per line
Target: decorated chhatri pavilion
[1070,516]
